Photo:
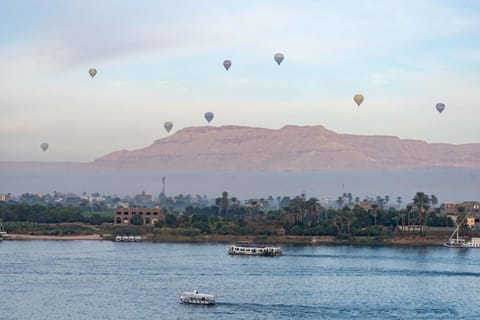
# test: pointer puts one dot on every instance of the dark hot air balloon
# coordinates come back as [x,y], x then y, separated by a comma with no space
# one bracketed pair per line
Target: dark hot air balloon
[440,107]
[278,58]
[227,64]
[209,116]
[92,72]
[168,126]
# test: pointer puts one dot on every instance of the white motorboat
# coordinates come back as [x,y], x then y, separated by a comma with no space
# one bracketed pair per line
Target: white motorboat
[194,297]
[254,250]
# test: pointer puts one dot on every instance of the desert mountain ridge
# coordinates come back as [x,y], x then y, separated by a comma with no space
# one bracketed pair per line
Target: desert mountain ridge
[291,148]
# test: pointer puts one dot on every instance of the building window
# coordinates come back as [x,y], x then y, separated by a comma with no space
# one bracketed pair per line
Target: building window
[118,220]
[155,213]
[125,213]
[119,212]
[148,213]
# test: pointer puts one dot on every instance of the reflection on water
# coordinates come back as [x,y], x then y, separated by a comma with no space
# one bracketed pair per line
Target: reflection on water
[107,280]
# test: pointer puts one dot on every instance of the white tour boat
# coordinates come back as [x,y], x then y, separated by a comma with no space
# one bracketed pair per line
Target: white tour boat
[197,298]
[254,250]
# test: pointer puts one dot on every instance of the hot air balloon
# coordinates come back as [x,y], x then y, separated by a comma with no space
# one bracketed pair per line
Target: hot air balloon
[44,146]
[92,72]
[209,116]
[358,98]
[227,64]
[168,126]
[440,107]
[278,57]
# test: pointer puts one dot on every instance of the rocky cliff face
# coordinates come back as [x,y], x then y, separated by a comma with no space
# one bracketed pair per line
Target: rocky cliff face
[291,148]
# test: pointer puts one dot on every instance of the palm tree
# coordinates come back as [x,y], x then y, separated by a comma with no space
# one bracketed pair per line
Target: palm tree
[409,211]
[312,206]
[374,213]
[297,207]
[399,201]
[350,197]
[224,202]
[340,201]
[421,203]
[434,200]
[234,201]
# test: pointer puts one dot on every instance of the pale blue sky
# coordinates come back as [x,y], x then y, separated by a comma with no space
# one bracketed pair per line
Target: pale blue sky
[161,61]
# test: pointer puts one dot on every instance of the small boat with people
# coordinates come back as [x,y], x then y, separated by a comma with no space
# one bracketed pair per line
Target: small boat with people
[194,297]
[128,238]
[251,249]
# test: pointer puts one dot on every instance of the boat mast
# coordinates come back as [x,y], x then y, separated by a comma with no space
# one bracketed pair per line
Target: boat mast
[458,227]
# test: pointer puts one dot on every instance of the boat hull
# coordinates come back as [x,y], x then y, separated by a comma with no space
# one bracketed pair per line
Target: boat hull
[189,300]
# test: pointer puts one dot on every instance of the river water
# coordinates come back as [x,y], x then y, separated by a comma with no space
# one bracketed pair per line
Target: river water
[108,280]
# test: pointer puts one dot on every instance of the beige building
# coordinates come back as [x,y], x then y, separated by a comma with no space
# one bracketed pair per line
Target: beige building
[473,221]
[150,216]
[452,208]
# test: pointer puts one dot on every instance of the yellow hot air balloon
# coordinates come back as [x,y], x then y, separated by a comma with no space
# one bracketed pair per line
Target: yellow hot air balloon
[358,98]
[92,72]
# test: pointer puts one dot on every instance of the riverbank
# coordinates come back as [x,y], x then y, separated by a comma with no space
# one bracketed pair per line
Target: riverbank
[300,240]
[50,237]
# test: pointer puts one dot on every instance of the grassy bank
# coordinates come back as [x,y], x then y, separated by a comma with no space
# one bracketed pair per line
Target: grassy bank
[79,231]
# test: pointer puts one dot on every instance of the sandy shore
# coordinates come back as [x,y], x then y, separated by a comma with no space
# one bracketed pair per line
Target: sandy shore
[46,237]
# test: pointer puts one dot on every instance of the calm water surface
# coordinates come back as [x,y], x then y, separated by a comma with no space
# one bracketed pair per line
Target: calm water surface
[108,280]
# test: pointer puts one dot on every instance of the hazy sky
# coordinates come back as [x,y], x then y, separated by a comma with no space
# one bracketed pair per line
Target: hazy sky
[161,61]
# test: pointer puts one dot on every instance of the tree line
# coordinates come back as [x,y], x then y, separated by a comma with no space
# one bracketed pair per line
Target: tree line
[49,214]
[298,216]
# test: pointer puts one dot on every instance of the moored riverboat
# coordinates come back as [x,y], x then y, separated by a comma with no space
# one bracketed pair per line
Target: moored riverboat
[128,238]
[473,243]
[455,243]
[3,233]
[194,297]
[252,249]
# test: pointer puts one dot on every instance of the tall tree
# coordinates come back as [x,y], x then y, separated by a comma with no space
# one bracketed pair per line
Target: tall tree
[421,202]
[434,200]
[399,202]
[374,212]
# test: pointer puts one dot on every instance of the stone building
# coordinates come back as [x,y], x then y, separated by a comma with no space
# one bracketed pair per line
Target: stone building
[150,216]
[452,208]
